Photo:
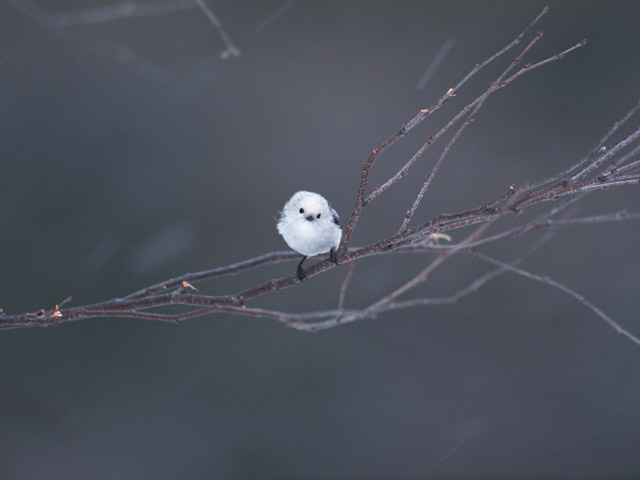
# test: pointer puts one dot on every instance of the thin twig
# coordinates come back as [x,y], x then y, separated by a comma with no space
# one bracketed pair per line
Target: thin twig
[478,104]
[274,16]
[527,228]
[345,285]
[606,155]
[570,174]
[417,119]
[473,286]
[617,125]
[424,274]
[577,296]
[231,50]
[233,269]
[435,64]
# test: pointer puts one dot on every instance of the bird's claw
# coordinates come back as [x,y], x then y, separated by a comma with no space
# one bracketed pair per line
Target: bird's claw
[299,269]
[332,256]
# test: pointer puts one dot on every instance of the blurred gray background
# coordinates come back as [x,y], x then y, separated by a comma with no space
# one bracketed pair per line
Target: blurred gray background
[132,152]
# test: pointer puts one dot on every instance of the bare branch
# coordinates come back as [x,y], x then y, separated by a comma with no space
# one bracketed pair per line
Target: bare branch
[274,16]
[424,113]
[424,274]
[617,125]
[533,226]
[231,50]
[577,296]
[233,269]
[478,104]
[574,171]
[344,285]
[605,167]
[435,64]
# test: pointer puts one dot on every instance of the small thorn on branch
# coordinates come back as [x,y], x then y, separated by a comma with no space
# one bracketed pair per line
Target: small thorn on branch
[229,52]
[433,238]
[186,284]
[239,300]
[68,299]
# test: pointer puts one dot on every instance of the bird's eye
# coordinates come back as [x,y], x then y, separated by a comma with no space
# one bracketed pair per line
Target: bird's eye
[301,210]
[318,216]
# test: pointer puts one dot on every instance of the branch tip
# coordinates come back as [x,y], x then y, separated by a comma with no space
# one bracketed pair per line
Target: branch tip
[68,299]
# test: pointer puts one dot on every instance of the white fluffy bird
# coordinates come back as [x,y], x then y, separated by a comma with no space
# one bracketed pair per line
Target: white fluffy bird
[310,226]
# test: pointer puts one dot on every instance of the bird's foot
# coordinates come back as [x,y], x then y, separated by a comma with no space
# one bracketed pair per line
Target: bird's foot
[301,275]
[332,256]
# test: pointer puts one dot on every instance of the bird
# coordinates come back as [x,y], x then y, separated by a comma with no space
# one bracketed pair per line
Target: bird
[310,226]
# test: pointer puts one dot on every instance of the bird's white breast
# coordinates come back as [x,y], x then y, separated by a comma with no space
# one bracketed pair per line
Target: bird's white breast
[310,238]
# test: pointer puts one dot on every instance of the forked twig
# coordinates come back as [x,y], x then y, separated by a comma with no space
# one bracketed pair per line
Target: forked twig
[549,281]
[416,120]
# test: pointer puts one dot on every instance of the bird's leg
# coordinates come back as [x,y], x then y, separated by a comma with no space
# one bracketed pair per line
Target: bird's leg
[299,269]
[332,256]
